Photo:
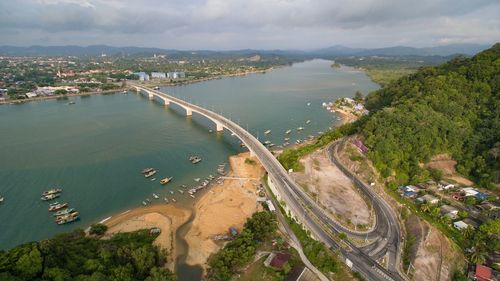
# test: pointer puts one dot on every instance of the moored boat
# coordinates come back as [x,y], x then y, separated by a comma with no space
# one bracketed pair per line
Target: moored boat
[267,132]
[68,219]
[64,212]
[50,197]
[308,121]
[52,191]
[173,200]
[300,128]
[156,196]
[165,199]
[57,207]
[147,170]
[1,199]
[166,180]
[149,174]
[288,132]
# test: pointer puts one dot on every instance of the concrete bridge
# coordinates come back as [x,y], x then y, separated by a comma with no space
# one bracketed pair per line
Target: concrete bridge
[297,203]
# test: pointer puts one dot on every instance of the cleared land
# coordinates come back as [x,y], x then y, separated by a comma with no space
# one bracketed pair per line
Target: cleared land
[333,190]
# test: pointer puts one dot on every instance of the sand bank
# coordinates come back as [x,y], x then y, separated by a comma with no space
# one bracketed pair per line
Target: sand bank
[224,206]
[166,217]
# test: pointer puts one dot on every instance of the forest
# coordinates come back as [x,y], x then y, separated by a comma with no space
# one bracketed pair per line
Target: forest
[75,256]
[453,108]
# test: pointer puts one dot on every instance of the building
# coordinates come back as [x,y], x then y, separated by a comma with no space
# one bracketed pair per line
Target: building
[277,260]
[445,185]
[143,76]
[483,273]
[176,75]
[428,199]
[410,194]
[31,95]
[460,225]
[449,211]
[158,75]
[270,206]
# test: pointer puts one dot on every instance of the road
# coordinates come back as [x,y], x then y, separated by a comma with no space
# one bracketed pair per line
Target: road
[305,209]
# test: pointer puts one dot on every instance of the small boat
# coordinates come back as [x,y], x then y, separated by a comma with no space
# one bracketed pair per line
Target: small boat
[156,88]
[148,200]
[156,196]
[308,104]
[1,199]
[124,92]
[50,197]
[308,121]
[267,142]
[52,191]
[300,128]
[197,179]
[57,207]
[144,203]
[171,192]
[288,132]
[287,139]
[69,218]
[147,170]
[210,131]
[267,132]
[64,212]
[166,180]
[181,191]
[153,179]
[165,199]
[242,145]
[191,195]
[195,161]
[173,200]
[149,174]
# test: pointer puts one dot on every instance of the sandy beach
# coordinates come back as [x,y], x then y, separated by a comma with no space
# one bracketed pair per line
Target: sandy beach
[166,217]
[224,206]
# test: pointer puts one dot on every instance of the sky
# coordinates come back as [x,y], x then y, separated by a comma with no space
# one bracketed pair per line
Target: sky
[241,24]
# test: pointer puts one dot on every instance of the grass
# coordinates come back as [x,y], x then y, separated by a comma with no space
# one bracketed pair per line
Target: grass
[384,76]
[250,161]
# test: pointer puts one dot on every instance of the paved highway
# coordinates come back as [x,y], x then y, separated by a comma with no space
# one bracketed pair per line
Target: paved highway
[306,210]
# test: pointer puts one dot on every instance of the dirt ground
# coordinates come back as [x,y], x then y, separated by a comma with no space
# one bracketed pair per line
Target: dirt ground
[222,207]
[446,164]
[332,189]
[433,256]
[166,217]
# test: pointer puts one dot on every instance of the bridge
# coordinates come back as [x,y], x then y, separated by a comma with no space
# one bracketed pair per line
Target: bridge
[305,210]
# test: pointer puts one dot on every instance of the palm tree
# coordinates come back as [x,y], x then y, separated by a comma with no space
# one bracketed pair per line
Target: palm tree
[468,232]
[426,207]
[478,256]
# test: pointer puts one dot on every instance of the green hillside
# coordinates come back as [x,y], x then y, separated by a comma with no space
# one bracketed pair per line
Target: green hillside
[453,108]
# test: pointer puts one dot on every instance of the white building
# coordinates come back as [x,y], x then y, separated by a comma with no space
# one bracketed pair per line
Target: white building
[176,75]
[270,206]
[469,191]
[31,95]
[158,75]
[460,225]
[143,76]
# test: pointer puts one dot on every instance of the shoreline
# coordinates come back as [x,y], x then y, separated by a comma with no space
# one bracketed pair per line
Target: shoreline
[20,101]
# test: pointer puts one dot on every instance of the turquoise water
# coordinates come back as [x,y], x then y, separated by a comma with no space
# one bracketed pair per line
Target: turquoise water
[96,148]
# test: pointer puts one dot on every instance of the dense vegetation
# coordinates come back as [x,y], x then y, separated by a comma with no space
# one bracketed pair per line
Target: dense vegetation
[73,256]
[242,249]
[453,108]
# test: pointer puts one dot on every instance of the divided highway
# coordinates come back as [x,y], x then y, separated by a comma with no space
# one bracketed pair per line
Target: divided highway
[321,226]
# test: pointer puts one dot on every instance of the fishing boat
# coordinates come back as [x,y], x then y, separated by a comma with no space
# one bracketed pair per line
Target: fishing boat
[195,159]
[64,212]
[57,207]
[147,170]
[52,191]
[149,174]
[68,220]
[197,179]
[181,191]
[173,200]
[144,203]
[267,132]
[1,199]
[50,197]
[300,128]
[171,191]
[191,195]
[308,104]
[156,88]
[267,142]
[165,199]
[156,196]
[308,121]
[61,217]
[166,180]
[287,139]
[288,132]
[153,179]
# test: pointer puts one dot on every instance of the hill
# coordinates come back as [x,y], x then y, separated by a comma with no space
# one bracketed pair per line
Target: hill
[453,108]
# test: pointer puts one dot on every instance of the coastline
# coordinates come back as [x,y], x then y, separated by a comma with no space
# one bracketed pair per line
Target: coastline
[61,96]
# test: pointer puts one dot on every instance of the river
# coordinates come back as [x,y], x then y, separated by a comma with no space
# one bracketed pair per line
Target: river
[96,148]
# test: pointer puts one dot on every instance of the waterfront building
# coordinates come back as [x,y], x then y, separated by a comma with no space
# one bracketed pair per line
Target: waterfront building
[143,76]
[159,75]
[176,75]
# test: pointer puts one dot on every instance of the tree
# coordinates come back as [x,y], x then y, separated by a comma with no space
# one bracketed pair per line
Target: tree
[358,96]
[98,229]
[29,265]
[463,214]
[60,92]
[478,256]
[468,231]
[470,200]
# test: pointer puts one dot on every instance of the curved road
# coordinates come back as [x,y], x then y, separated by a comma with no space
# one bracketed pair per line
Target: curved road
[304,208]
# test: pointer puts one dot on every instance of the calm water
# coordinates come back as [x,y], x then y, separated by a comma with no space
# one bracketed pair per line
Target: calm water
[96,148]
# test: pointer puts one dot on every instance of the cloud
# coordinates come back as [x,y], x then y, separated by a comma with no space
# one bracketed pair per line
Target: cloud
[248,23]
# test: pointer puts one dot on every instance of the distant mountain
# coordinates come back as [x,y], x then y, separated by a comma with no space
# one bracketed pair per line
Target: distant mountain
[337,50]
[447,50]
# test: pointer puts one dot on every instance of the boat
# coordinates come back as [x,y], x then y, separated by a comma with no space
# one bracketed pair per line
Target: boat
[166,180]
[149,174]
[308,104]
[165,199]
[210,131]
[52,191]
[156,88]
[288,132]
[181,191]
[173,200]
[267,142]
[69,219]
[148,200]
[171,192]
[267,132]
[147,170]
[153,179]
[71,102]
[287,139]
[50,197]
[308,121]
[144,203]
[271,145]
[64,216]
[300,128]
[191,195]
[242,145]
[1,199]
[197,179]
[57,207]
[156,196]
[195,159]
[233,134]
[64,212]
[124,92]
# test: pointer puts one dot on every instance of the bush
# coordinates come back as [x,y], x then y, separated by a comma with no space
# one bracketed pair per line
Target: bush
[98,229]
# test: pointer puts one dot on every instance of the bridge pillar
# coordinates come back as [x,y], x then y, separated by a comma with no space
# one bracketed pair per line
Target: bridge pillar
[166,102]
[252,154]
[219,127]
[150,96]
[189,112]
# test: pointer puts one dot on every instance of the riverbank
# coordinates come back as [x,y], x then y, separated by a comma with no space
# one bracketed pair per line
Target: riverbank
[166,217]
[61,96]
[224,206]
